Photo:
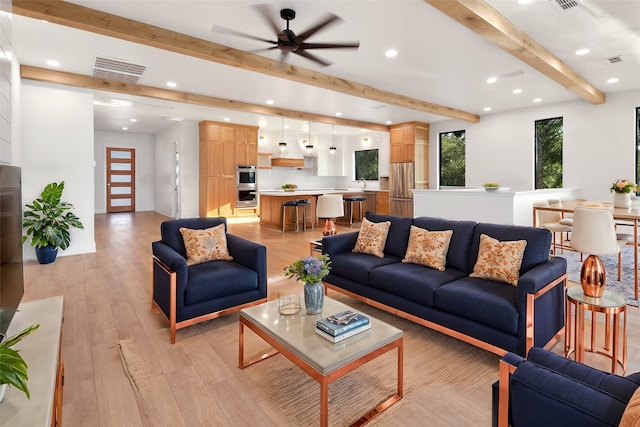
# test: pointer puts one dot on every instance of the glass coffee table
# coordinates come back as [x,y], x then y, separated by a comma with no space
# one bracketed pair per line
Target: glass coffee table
[322,360]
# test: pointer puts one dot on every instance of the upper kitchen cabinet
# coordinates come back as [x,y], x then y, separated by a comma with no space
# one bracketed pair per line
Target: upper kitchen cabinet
[247,145]
[409,142]
[330,164]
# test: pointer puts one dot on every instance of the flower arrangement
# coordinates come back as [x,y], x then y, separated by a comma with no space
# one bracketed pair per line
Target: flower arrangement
[310,269]
[622,186]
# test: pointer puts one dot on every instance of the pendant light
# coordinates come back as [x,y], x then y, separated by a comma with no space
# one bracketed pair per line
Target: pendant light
[309,146]
[282,144]
[332,149]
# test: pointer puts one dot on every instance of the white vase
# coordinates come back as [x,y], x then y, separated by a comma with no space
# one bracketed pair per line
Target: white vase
[622,200]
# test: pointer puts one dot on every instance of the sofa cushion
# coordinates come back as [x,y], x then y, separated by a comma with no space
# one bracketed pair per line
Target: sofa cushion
[460,246]
[538,242]
[428,248]
[357,266]
[205,245]
[398,233]
[412,281]
[631,414]
[217,279]
[485,301]
[499,260]
[372,238]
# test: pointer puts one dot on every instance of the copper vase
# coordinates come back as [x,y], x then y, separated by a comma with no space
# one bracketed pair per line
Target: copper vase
[593,277]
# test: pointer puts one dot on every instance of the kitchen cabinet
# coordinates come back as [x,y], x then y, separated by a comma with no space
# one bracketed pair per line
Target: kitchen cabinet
[330,164]
[382,202]
[223,146]
[409,142]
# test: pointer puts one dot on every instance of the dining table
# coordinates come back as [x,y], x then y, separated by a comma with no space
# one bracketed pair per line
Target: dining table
[631,216]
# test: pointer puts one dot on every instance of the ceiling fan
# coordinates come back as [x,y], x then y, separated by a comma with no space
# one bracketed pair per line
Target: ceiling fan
[288,42]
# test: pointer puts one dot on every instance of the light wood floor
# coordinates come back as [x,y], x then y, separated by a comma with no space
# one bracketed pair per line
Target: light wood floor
[107,299]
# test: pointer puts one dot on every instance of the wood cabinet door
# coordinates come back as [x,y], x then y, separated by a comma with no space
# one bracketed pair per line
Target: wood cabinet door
[395,153]
[227,197]
[252,147]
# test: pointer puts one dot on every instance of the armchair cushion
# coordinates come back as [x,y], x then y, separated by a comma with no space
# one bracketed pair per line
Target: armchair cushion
[216,279]
[205,245]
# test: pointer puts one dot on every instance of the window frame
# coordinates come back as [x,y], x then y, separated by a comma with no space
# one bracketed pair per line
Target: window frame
[459,133]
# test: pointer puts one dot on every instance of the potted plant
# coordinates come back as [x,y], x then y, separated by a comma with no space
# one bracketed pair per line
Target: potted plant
[13,368]
[47,222]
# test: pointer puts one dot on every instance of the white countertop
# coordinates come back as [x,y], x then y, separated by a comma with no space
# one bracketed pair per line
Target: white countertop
[310,192]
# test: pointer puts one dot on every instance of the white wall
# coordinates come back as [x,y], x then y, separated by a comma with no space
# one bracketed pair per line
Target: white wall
[143,144]
[7,61]
[186,135]
[57,142]
[599,145]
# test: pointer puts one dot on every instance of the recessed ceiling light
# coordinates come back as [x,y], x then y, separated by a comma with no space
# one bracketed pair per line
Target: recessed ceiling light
[492,79]
[134,120]
[171,84]
[125,128]
[517,91]
[525,1]
[338,114]
[391,53]
[537,99]
[487,108]
[613,80]
[582,51]
[389,122]
[226,119]
[270,101]
[53,63]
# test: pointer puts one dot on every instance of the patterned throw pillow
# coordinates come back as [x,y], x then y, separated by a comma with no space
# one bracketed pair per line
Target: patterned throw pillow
[428,248]
[372,238]
[205,245]
[498,260]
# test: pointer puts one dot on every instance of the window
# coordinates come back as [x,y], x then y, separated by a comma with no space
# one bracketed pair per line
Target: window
[452,158]
[549,153]
[366,164]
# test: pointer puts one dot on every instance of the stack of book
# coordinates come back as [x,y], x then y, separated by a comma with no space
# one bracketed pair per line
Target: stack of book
[342,325]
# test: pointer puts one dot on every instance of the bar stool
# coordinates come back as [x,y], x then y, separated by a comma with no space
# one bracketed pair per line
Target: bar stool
[351,201]
[289,204]
[304,204]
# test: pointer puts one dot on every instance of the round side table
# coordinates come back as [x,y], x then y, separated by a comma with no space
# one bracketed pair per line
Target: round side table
[613,306]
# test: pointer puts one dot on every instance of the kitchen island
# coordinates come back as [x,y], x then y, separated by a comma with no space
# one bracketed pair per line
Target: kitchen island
[271,204]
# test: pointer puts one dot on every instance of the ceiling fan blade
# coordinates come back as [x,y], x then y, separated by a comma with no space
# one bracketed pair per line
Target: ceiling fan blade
[267,15]
[353,45]
[218,29]
[331,18]
[312,57]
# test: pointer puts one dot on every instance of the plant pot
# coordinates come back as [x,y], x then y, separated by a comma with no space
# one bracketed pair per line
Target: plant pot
[622,200]
[46,254]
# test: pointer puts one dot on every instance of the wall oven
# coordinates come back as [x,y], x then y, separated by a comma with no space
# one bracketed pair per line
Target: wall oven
[247,185]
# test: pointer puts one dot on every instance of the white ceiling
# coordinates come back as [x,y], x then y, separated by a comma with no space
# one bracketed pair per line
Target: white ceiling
[438,60]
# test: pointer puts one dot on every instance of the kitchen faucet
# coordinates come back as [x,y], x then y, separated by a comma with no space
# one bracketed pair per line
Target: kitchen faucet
[364,183]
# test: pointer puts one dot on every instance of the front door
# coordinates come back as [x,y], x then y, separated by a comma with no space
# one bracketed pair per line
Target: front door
[121,179]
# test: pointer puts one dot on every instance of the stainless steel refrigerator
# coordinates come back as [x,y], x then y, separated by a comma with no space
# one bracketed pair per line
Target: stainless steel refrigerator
[401,181]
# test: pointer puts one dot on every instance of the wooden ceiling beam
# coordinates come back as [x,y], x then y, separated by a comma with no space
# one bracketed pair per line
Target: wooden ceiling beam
[88,82]
[83,18]
[481,18]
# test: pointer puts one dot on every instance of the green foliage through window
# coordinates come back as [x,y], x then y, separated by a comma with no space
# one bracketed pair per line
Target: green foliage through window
[548,153]
[637,145]
[366,162]
[452,158]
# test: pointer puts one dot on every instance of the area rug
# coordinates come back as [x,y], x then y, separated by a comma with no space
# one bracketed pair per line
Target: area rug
[623,287]
[134,363]
[437,367]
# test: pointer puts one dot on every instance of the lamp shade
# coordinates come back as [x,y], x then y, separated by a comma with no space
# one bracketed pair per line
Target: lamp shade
[330,206]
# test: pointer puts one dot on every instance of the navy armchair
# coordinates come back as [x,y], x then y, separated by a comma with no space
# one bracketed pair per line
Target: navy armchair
[191,294]
[549,390]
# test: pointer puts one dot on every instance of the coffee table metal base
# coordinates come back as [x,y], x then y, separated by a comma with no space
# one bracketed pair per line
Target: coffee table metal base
[325,380]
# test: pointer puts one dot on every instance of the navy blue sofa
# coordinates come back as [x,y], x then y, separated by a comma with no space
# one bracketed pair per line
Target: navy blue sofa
[192,294]
[492,315]
[549,390]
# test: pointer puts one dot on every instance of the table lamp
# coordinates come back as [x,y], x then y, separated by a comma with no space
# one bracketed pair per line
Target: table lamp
[329,206]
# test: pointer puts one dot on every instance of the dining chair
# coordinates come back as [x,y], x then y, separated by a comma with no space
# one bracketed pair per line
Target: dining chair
[594,233]
[551,221]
